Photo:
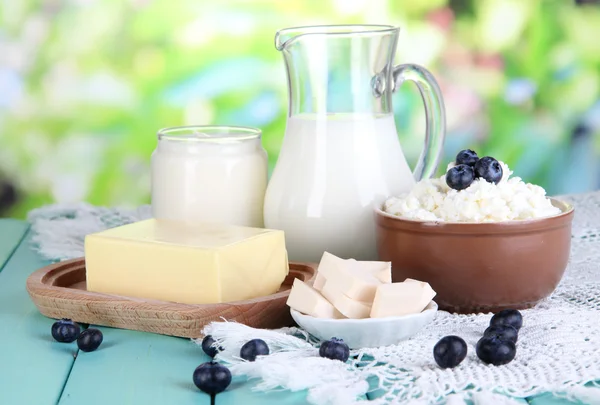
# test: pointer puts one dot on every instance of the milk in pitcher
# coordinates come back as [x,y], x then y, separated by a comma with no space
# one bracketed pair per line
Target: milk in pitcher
[331,172]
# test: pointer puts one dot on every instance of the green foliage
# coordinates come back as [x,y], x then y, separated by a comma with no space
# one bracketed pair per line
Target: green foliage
[87,84]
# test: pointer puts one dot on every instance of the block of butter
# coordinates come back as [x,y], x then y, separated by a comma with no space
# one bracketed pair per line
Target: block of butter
[192,264]
[397,299]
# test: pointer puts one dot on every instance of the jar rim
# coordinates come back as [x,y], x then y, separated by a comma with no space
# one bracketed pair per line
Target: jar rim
[208,133]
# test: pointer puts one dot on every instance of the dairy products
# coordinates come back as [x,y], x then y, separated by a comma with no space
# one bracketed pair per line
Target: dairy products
[347,306]
[193,264]
[510,199]
[331,171]
[220,178]
[329,263]
[351,280]
[399,299]
[307,300]
[354,289]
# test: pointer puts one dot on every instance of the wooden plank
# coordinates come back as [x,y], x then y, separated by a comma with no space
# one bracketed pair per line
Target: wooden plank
[35,367]
[133,367]
[11,234]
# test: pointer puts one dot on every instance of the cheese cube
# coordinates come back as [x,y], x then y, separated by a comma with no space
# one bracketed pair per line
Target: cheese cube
[351,280]
[347,306]
[185,263]
[330,264]
[305,299]
[399,299]
[381,270]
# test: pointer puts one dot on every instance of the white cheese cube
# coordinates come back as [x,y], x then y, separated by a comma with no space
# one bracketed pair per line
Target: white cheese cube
[347,306]
[399,299]
[305,299]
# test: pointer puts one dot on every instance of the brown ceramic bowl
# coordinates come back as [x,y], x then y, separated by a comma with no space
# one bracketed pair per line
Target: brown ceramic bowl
[479,267]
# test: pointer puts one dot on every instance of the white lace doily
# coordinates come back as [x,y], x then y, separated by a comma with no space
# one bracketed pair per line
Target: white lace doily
[558,349]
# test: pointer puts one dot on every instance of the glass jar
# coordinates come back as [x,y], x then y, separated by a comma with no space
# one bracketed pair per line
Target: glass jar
[212,174]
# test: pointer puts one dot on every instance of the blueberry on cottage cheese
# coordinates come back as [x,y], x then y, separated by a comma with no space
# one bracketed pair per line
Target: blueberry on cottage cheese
[502,332]
[65,331]
[510,317]
[489,169]
[89,340]
[450,351]
[253,348]
[460,177]
[466,157]
[212,377]
[492,350]
[335,349]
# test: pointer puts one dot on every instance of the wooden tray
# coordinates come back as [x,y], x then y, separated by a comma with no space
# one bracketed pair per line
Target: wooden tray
[59,291]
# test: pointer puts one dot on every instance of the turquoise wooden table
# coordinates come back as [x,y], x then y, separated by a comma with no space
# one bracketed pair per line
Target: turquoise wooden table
[129,368]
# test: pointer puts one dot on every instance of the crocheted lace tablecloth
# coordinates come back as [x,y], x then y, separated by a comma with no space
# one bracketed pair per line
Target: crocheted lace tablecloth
[558,349]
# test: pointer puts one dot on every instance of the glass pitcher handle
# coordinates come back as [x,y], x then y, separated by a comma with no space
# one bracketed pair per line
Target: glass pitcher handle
[435,115]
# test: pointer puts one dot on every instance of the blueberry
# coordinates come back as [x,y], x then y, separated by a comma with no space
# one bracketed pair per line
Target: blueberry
[253,348]
[460,177]
[65,331]
[450,351]
[212,377]
[335,349]
[502,332]
[208,346]
[492,350]
[89,340]
[467,157]
[510,317]
[489,169]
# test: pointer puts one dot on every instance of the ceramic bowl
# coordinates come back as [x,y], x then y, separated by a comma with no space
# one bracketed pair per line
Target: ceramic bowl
[479,267]
[369,332]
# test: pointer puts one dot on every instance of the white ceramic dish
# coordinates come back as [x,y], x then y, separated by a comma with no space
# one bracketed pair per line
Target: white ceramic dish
[369,332]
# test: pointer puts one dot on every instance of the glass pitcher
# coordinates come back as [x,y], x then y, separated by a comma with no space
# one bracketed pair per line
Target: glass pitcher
[341,154]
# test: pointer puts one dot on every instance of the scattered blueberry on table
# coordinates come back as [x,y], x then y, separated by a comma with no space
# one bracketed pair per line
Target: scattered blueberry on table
[65,331]
[510,317]
[467,157]
[89,340]
[502,332]
[212,377]
[492,350]
[253,348]
[460,177]
[450,351]
[335,349]
[208,346]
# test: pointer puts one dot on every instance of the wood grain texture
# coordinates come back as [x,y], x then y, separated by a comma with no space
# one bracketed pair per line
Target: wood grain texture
[58,291]
[34,366]
[133,368]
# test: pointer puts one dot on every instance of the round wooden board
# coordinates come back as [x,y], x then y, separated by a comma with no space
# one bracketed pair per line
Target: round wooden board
[59,291]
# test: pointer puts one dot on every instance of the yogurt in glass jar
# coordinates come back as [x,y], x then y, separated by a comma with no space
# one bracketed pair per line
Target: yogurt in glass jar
[214,174]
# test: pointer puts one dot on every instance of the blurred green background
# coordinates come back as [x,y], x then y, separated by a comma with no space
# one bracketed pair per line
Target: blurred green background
[85,85]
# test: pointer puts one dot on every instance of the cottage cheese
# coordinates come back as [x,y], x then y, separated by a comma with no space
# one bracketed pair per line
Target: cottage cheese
[510,199]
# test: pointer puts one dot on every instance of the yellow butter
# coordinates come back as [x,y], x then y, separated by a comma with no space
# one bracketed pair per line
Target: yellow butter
[192,264]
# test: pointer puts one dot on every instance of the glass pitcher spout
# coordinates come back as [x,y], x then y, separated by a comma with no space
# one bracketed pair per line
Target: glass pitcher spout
[285,37]
[331,68]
